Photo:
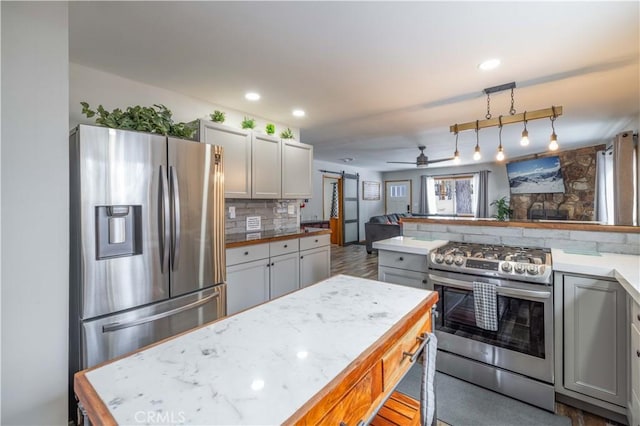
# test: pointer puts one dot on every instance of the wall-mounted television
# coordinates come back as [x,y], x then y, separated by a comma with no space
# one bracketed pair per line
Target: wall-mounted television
[537,176]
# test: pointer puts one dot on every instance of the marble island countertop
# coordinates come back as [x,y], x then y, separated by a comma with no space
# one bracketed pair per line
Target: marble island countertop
[256,367]
[413,245]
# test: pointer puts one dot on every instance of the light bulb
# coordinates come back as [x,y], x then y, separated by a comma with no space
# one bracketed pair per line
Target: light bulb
[553,144]
[525,138]
[456,157]
[500,155]
[476,154]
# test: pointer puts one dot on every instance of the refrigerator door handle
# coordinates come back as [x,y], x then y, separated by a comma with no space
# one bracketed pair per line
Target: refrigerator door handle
[175,200]
[165,230]
[115,326]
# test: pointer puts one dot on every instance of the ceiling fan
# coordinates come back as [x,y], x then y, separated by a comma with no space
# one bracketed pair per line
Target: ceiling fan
[421,160]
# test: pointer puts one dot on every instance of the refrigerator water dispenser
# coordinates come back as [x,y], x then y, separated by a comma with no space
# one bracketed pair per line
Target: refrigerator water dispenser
[118,231]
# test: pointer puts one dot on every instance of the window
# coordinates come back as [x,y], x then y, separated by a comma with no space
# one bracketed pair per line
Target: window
[396,191]
[451,195]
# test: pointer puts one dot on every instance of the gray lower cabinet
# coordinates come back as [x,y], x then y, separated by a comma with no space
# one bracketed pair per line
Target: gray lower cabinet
[284,275]
[407,269]
[315,265]
[247,285]
[634,362]
[591,340]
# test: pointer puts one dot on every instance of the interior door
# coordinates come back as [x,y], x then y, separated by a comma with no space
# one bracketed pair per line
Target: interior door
[197,216]
[351,208]
[397,196]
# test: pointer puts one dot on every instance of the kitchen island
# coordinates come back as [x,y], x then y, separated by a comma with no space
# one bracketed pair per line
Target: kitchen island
[327,353]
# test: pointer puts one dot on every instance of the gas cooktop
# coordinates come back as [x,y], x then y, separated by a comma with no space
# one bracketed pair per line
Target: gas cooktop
[518,263]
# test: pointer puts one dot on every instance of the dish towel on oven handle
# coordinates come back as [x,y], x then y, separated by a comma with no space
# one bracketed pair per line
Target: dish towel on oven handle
[485,303]
[427,385]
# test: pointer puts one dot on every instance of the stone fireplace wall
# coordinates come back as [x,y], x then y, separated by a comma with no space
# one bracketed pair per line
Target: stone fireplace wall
[579,172]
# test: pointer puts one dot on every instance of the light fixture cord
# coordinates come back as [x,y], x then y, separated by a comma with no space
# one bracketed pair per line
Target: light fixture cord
[500,132]
[456,130]
[553,109]
[477,136]
[512,111]
[488,116]
[525,120]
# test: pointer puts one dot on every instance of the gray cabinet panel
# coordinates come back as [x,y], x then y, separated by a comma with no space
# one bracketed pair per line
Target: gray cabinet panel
[297,166]
[247,285]
[595,338]
[315,265]
[266,168]
[284,274]
[402,277]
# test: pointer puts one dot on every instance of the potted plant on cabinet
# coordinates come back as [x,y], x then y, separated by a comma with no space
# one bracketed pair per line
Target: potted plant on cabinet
[287,134]
[248,123]
[217,116]
[270,128]
[504,212]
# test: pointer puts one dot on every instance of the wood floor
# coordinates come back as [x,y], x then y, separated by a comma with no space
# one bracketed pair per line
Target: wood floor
[354,260]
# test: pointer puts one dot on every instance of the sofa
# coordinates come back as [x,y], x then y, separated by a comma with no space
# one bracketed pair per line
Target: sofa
[383,227]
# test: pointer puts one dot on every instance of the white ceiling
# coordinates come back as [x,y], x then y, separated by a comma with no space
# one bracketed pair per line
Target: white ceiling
[377,79]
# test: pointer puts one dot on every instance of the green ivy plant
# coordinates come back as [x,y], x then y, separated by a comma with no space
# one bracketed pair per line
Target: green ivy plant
[248,123]
[156,119]
[504,212]
[270,128]
[217,116]
[287,134]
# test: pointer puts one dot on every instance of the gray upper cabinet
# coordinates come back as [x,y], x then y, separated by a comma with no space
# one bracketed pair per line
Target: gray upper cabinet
[236,156]
[267,163]
[260,166]
[297,166]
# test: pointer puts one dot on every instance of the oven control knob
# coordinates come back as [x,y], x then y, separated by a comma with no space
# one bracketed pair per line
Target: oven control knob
[519,268]
[458,260]
[438,258]
[448,259]
[532,269]
[506,266]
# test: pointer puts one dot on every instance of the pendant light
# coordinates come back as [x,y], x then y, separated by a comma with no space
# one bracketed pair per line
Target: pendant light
[456,154]
[525,133]
[500,154]
[476,155]
[553,140]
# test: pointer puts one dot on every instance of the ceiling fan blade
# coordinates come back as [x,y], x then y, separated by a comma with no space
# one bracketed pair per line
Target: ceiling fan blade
[440,160]
[402,162]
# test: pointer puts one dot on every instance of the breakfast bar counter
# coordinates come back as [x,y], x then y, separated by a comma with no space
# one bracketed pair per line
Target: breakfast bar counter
[327,353]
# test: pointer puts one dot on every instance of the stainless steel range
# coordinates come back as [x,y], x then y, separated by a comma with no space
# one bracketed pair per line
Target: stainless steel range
[511,287]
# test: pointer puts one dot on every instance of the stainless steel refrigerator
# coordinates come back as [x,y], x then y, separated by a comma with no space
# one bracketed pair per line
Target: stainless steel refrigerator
[147,257]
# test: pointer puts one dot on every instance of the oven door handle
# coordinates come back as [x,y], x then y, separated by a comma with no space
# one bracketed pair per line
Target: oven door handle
[505,291]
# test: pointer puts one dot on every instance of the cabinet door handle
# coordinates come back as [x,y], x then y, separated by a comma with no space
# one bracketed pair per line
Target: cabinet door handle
[286,245]
[424,341]
[246,253]
[424,281]
[638,317]
[638,353]
[272,263]
[301,257]
[401,259]
[316,241]
[268,265]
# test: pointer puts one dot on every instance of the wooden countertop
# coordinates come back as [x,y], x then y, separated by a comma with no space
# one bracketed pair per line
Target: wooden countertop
[250,238]
[302,358]
[539,224]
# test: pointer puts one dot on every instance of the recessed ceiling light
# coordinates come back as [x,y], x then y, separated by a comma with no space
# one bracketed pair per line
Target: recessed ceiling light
[489,64]
[252,96]
[298,113]
[346,160]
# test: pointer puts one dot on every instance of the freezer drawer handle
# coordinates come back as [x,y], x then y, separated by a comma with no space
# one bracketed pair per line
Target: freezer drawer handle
[175,192]
[115,326]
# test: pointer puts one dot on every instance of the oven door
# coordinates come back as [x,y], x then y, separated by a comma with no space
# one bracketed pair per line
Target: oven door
[523,342]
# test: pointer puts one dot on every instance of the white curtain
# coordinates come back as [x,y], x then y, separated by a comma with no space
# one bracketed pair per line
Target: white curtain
[427,195]
[480,189]
[604,187]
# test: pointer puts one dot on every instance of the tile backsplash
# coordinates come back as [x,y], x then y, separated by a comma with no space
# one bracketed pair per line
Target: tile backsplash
[275,215]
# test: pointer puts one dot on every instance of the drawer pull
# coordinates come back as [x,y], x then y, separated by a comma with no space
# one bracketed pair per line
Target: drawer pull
[638,353]
[638,317]
[424,281]
[246,253]
[316,241]
[360,423]
[401,259]
[286,245]
[416,354]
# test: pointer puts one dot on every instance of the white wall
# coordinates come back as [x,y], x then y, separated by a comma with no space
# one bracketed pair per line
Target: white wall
[498,182]
[35,231]
[368,208]
[112,91]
